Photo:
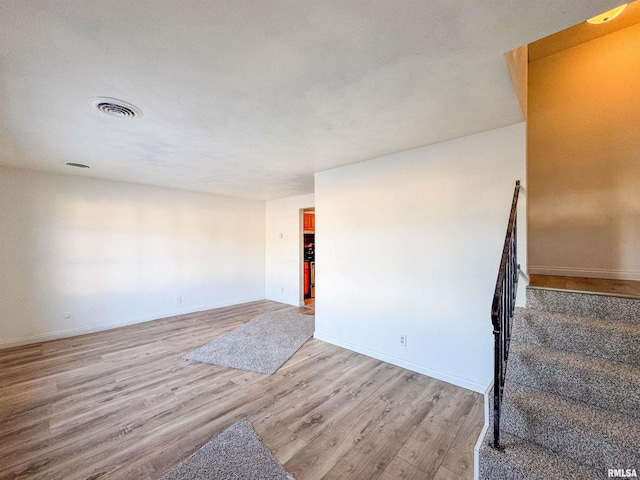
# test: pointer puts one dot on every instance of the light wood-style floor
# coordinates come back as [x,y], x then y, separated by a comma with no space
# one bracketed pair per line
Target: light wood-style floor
[123,404]
[600,285]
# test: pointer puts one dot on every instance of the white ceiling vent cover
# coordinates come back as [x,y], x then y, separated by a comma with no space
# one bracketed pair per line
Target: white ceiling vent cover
[115,107]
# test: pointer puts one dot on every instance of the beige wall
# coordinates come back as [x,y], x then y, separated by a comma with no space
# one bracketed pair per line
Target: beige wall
[584,159]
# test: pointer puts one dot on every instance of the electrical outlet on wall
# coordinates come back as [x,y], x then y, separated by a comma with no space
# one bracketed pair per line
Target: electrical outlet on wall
[179,299]
[403,340]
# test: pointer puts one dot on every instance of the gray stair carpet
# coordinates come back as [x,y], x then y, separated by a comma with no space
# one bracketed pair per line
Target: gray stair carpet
[605,306]
[611,340]
[608,385]
[521,459]
[571,406]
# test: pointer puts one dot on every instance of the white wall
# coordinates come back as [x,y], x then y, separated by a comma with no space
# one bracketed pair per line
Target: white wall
[111,253]
[283,248]
[409,244]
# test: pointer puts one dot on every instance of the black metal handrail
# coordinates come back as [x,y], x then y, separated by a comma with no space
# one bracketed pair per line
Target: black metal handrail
[502,308]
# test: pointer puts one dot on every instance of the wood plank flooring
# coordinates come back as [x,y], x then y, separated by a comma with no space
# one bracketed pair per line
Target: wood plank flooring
[123,404]
[600,285]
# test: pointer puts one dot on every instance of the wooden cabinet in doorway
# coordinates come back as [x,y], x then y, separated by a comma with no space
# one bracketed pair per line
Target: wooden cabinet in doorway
[309,222]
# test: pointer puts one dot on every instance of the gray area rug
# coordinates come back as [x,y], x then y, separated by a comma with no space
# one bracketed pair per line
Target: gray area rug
[261,345]
[235,454]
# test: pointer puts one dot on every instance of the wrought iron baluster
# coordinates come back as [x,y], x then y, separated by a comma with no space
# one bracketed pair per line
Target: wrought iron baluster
[502,308]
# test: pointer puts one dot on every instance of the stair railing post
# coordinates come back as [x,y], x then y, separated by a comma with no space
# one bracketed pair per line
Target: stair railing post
[497,388]
[502,308]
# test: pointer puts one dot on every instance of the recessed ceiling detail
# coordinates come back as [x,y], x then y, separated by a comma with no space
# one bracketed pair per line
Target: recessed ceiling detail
[115,107]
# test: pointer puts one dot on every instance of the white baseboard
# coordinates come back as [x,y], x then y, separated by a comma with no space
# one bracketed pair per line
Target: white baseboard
[584,272]
[73,332]
[294,302]
[476,449]
[453,379]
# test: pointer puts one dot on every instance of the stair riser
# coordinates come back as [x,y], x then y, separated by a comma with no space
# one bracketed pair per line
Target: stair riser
[578,338]
[519,461]
[492,469]
[600,389]
[584,304]
[566,437]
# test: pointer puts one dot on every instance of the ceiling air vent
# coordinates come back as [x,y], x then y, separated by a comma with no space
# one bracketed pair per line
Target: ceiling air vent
[77,165]
[115,107]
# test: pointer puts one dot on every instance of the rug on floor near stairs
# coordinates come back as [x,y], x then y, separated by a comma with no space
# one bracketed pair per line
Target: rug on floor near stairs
[261,345]
[235,454]
[571,406]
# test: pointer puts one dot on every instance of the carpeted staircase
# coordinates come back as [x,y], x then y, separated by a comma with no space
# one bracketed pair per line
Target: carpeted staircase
[571,407]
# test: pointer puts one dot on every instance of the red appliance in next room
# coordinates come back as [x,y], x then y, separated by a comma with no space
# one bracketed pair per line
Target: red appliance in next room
[307,284]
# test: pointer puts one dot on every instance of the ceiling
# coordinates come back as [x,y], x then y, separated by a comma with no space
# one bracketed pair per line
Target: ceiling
[249,98]
[583,32]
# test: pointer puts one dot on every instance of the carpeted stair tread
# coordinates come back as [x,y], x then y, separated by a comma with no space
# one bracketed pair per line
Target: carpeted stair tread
[606,307]
[608,385]
[588,435]
[571,405]
[611,340]
[522,460]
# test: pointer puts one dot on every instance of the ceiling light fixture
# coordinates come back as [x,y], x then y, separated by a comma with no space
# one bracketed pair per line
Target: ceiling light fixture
[115,108]
[607,16]
[77,165]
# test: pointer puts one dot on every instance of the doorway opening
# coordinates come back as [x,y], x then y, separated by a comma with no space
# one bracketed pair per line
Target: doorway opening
[308,256]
